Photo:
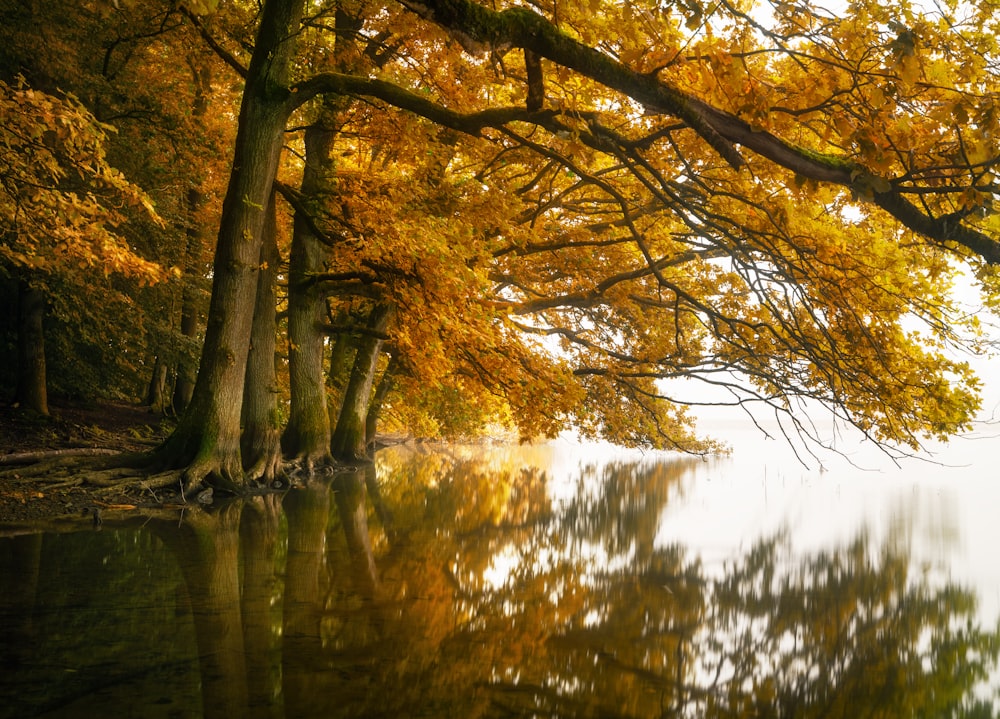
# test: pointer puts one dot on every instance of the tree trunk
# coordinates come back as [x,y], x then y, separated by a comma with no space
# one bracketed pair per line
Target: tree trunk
[341,362]
[32,393]
[349,440]
[156,394]
[261,440]
[384,385]
[184,386]
[307,437]
[207,438]
[186,371]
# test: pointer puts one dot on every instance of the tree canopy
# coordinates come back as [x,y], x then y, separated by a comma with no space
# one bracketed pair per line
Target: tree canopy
[541,215]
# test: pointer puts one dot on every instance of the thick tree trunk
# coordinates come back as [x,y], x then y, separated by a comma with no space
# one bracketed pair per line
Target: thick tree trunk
[32,393]
[207,438]
[307,437]
[260,443]
[349,439]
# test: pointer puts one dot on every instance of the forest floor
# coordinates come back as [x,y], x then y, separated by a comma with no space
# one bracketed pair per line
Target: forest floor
[105,427]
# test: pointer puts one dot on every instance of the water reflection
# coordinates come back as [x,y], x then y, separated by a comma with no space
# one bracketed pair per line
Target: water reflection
[472,584]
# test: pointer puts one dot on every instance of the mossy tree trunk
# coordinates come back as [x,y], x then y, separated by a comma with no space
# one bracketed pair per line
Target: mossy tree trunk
[349,438]
[307,437]
[206,442]
[260,443]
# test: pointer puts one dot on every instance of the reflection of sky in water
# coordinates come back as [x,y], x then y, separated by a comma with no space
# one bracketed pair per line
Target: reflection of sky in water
[944,511]
[941,508]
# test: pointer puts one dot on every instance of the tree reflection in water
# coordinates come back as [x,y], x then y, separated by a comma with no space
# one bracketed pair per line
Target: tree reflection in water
[489,596]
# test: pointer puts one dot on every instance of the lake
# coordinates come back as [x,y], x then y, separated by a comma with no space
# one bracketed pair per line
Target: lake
[555,580]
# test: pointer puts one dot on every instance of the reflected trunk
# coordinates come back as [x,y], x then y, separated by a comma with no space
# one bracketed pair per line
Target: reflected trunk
[207,549]
[308,511]
[19,567]
[259,546]
[382,510]
[349,492]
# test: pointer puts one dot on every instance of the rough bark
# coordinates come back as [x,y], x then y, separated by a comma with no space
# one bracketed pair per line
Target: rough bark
[32,392]
[260,443]
[207,439]
[349,438]
[307,437]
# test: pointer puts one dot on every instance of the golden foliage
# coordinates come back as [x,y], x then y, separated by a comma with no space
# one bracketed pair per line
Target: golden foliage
[62,203]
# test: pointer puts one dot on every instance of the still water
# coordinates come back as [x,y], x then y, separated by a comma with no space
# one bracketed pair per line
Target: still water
[551,581]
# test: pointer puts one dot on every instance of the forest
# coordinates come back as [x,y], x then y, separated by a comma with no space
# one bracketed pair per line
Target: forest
[294,224]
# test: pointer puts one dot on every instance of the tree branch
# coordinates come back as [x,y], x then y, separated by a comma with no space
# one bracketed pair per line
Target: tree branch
[479,28]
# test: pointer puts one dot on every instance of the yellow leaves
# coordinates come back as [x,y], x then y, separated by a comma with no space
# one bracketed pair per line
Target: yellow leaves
[62,198]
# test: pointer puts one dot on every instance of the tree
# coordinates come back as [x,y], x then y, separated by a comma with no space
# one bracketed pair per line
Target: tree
[207,439]
[562,222]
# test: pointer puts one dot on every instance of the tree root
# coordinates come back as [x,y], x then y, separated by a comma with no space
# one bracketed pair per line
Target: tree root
[146,484]
[44,455]
[107,473]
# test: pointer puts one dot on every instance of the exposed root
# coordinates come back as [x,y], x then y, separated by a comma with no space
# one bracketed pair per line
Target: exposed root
[146,484]
[64,484]
[194,476]
[48,454]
